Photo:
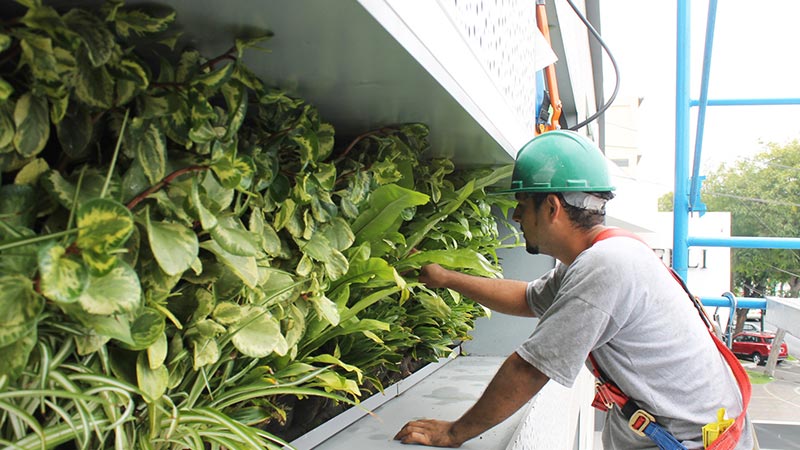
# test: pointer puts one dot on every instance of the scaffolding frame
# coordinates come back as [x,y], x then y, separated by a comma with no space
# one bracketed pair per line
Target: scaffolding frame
[687,185]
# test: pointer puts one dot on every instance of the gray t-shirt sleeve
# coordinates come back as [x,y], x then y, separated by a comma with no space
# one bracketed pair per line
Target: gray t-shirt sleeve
[572,321]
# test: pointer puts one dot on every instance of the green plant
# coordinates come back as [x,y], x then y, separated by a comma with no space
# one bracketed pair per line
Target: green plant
[185,252]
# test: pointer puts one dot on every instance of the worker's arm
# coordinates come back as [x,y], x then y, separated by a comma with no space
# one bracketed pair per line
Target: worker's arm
[505,296]
[514,384]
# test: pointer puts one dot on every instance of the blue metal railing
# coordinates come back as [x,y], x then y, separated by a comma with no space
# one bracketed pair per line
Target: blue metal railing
[687,189]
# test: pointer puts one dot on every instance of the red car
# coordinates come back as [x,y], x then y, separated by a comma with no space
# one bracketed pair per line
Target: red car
[756,346]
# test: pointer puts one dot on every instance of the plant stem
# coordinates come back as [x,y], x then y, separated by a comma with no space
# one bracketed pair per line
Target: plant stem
[75,198]
[32,240]
[362,136]
[116,153]
[160,185]
[227,55]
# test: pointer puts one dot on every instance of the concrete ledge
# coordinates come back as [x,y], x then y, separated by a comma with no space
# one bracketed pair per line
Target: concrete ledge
[445,392]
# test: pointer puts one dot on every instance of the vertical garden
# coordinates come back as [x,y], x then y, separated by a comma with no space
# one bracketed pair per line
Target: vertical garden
[190,258]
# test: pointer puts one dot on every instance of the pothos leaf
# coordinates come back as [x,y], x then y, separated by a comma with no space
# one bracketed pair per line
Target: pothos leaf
[231,236]
[94,86]
[214,79]
[244,267]
[236,97]
[21,307]
[147,328]
[258,334]
[326,309]
[96,38]
[138,22]
[103,225]
[32,124]
[74,131]
[117,291]
[174,246]
[152,382]
[150,147]
[386,205]
[62,278]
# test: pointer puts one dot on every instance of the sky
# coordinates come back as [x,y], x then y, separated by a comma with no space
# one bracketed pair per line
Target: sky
[755,55]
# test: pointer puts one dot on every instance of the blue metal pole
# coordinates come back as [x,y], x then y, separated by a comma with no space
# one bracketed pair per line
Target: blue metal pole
[741,302]
[745,242]
[749,102]
[694,194]
[680,230]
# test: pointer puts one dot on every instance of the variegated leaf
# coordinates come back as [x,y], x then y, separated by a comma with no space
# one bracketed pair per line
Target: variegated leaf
[151,151]
[15,356]
[157,352]
[174,246]
[226,171]
[5,90]
[116,292]
[103,225]
[137,22]
[74,131]
[93,85]
[5,42]
[97,39]
[99,263]
[58,108]
[207,219]
[326,176]
[215,78]
[325,135]
[251,41]
[6,126]
[244,267]
[21,307]
[58,187]
[32,123]
[308,145]
[62,278]
[152,382]
[31,172]
[228,313]
[232,236]
[146,328]
[236,97]
[326,309]
[38,54]
[258,333]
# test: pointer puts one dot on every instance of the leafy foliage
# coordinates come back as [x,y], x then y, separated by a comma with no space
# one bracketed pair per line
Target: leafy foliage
[762,194]
[185,252]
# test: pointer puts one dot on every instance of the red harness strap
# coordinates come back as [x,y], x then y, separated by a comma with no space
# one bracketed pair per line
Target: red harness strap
[609,394]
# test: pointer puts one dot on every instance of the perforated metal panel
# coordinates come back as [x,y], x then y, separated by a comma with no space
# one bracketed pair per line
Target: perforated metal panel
[503,37]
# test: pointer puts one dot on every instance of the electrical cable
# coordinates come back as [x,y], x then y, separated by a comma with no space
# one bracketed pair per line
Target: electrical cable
[613,63]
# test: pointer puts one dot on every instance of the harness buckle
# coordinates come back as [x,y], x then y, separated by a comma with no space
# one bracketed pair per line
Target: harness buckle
[604,394]
[639,421]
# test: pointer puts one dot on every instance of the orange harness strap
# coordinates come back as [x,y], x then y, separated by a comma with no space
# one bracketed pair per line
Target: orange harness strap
[609,394]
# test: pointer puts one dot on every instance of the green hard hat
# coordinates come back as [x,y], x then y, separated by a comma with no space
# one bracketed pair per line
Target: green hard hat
[560,161]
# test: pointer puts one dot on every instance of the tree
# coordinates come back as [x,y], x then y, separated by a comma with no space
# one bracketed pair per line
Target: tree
[763,195]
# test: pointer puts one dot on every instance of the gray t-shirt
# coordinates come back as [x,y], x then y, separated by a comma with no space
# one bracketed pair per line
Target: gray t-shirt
[618,301]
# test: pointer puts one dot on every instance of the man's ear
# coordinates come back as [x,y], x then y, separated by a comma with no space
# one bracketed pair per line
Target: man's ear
[553,204]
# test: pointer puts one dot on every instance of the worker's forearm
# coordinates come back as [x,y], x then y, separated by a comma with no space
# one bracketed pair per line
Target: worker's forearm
[505,296]
[514,384]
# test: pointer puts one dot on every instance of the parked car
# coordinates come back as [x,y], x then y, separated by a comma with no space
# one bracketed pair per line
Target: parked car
[756,346]
[748,326]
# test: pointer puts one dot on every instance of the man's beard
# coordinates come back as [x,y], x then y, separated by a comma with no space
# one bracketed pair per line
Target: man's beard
[532,249]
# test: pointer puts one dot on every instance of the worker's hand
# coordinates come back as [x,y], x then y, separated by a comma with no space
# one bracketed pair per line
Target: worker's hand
[433,433]
[433,276]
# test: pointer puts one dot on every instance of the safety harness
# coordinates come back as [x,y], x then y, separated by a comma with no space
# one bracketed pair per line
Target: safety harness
[607,394]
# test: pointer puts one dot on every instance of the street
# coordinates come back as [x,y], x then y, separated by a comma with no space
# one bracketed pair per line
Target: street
[775,405]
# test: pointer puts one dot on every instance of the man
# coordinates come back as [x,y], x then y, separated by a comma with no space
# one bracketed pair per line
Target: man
[612,298]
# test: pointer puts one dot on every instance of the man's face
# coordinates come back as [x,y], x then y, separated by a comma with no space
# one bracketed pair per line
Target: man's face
[525,214]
